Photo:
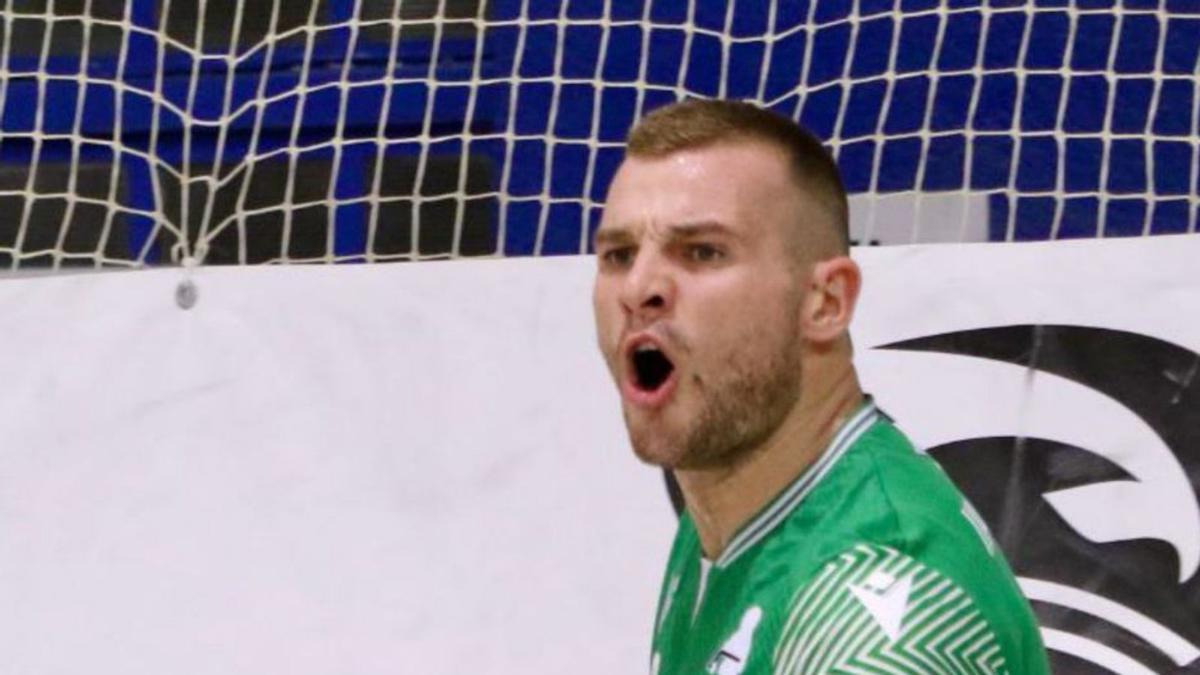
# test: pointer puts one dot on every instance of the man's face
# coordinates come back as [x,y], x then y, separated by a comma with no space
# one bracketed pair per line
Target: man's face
[697,300]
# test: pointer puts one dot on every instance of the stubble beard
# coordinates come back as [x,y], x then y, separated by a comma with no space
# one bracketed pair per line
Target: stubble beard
[740,407]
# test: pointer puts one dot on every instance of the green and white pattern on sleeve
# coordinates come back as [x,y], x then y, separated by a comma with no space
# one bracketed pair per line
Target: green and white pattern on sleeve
[876,610]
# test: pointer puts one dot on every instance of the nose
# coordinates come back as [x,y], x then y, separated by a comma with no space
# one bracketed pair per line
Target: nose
[648,291]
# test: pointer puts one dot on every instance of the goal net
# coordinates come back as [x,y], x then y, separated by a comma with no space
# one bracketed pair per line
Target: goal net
[145,132]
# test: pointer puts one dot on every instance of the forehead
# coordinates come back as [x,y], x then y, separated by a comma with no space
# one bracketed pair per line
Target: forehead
[743,185]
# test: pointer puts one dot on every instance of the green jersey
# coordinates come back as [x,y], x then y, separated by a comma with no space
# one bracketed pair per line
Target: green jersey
[871,561]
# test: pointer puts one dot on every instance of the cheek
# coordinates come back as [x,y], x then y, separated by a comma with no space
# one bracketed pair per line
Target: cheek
[744,303]
[607,318]
[736,326]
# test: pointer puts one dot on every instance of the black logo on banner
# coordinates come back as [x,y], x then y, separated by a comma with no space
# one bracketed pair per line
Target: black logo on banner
[1104,534]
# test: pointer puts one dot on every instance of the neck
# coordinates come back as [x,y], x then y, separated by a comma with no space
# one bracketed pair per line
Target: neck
[720,499]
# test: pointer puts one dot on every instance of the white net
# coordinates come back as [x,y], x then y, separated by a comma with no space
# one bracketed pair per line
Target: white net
[138,132]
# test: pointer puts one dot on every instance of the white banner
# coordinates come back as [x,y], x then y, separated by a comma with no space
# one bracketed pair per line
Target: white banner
[368,470]
[422,468]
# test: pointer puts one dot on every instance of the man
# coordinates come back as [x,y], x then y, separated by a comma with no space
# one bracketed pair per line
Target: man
[816,539]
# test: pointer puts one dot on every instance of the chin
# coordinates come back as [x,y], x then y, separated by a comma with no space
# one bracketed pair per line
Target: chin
[656,449]
[654,454]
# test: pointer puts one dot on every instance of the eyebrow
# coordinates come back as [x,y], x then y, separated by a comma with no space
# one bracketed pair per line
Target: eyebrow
[620,234]
[612,235]
[701,228]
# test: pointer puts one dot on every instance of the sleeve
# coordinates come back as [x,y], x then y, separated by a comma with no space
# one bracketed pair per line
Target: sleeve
[875,610]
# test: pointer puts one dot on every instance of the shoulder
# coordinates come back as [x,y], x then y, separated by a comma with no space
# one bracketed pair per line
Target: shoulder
[886,492]
[876,609]
[887,563]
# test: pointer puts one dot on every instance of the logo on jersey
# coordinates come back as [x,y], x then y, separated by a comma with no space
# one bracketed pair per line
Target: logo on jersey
[731,658]
[886,599]
[1080,446]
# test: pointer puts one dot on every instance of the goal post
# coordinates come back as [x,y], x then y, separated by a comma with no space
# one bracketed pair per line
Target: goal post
[139,132]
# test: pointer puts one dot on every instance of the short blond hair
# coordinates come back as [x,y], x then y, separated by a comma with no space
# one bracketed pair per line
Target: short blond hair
[697,123]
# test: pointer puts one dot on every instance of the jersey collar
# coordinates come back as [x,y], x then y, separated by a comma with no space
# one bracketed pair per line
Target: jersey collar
[787,501]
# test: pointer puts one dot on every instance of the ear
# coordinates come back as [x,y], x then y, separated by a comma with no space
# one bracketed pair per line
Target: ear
[832,294]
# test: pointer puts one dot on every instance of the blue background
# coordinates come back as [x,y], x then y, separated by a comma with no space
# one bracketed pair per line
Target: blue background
[1123,173]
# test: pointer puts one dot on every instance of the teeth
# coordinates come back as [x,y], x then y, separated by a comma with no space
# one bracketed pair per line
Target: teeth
[646,348]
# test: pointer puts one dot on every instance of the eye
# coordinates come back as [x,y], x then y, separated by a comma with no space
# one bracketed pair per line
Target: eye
[704,253]
[620,256]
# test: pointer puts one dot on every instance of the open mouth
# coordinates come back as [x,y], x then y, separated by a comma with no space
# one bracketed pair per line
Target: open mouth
[651,368]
